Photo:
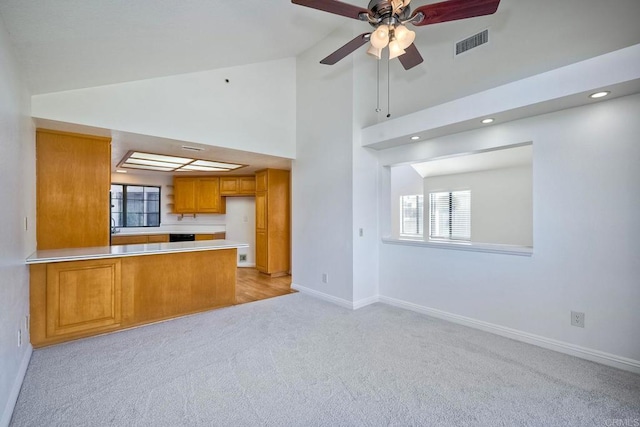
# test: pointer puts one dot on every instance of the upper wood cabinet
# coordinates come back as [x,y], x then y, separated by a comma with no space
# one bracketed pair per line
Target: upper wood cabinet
[273,222]
[197,195]
[73,177]
[237,185]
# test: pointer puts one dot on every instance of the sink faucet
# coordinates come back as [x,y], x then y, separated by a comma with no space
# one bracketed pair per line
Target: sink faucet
[114,230]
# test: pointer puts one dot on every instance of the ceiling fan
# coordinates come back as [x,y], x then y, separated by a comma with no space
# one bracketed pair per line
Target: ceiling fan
[389,17]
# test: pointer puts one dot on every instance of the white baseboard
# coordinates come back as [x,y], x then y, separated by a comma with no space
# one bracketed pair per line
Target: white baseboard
[551,344]
[352,305]
[247,265]
[15,390]
[321,295]
[365,302]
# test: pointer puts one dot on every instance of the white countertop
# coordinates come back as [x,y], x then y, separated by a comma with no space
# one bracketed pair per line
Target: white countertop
[118,251]
[168,229]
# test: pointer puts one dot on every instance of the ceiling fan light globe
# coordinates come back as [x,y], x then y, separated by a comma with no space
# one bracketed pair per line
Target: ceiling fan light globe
[380,37]
[395,49]
[408,40]
[404,36]
[374,51]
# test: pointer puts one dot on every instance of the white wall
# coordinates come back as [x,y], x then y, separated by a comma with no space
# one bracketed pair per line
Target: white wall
[516,47]
[586,201]
[255,111]
[17,192]
[241,226]
[322,239]
[501,203]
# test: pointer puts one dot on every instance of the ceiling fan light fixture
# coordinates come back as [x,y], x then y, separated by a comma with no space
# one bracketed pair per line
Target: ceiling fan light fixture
[380,37]
[374,51]
[395,49]
[404,36]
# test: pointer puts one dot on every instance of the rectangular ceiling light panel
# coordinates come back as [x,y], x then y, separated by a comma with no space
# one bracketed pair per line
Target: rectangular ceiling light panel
[201,169]
[153,163]
[161,158]
[222,165]
[145,167]
[160,162]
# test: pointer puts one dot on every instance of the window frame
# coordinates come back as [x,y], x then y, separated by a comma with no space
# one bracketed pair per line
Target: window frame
[124,204]
[419,216]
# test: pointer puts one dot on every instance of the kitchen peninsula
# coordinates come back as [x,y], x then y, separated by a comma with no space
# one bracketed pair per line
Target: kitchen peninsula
[81,292]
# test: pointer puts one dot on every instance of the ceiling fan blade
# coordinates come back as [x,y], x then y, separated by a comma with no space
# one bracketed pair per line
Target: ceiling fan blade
[411,58]
[453,10]
[334,6]
[346,49]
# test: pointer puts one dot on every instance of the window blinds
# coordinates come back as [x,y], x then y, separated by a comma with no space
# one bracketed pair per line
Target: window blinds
[450,215]
[411,211]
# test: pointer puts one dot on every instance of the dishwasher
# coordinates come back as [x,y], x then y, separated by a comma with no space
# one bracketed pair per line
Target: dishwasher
[182,237]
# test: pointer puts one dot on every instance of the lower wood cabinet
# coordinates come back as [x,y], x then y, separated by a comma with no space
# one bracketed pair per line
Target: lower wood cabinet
[213,236]
[80,296]
[76,299]
[139,239]
[158,238]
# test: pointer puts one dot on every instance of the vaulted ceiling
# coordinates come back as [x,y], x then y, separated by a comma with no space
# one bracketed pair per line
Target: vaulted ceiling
[74,44]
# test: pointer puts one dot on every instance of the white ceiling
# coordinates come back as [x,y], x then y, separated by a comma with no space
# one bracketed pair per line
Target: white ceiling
[476,162]
[71,44]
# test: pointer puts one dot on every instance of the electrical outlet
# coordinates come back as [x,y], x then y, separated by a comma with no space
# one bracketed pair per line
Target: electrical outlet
[577,319]
[243,257]
[19,337]
[26,223]
[361,232]
[325,278]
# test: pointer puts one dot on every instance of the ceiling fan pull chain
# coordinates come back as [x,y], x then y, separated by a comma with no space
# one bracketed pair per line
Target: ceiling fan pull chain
[388,87]
[378,89]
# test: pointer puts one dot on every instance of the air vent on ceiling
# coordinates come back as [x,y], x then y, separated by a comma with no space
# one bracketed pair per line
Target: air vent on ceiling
[471,42]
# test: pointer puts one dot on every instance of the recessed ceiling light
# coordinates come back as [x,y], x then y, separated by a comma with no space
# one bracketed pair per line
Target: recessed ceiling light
[121,171]
[599,94]
[415,138]
[487,121]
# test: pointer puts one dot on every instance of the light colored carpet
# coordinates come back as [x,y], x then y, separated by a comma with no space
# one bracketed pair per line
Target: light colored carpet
[299,361]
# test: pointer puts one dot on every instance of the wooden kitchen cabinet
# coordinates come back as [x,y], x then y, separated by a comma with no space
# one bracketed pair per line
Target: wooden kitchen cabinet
[139,239]
[237,185]
[273,223]
[74,299]
[158,238]
[73,178]
[193,195]
[213,236]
